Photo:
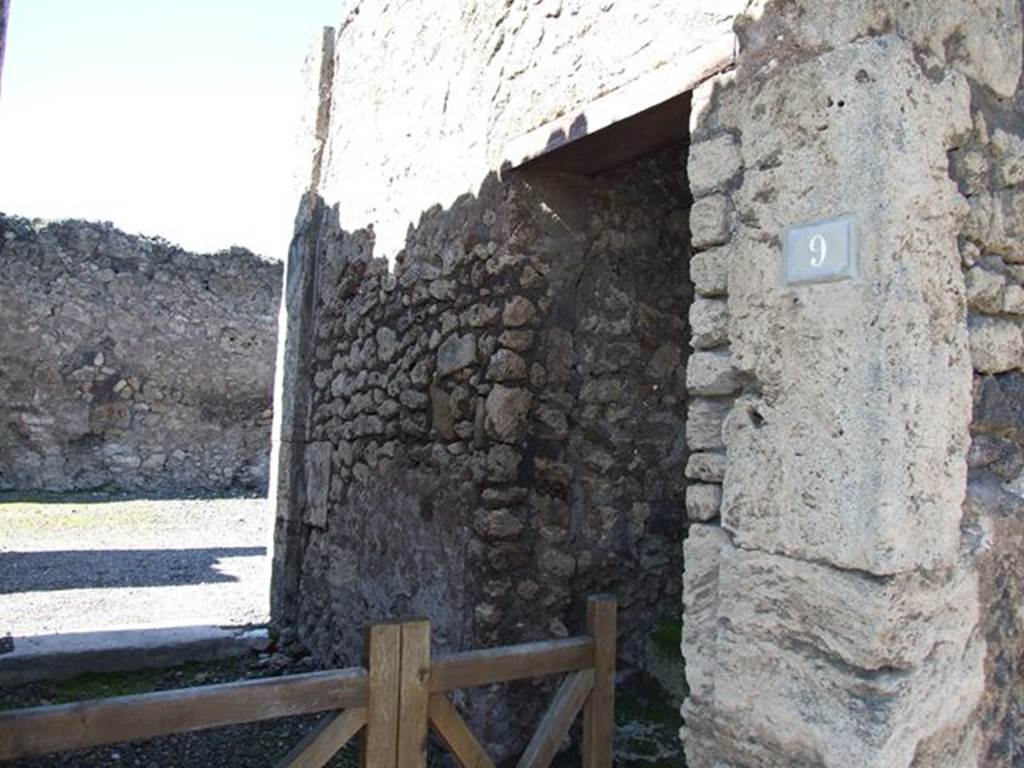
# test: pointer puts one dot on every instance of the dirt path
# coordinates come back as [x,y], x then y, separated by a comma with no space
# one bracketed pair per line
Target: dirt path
[89,566]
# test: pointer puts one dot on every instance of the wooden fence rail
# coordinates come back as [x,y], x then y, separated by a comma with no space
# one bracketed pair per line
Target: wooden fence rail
[393,702]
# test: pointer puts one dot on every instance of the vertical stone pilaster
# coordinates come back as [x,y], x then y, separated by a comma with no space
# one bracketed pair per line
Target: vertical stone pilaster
[833,619]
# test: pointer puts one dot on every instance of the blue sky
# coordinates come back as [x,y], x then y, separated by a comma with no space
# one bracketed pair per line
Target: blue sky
[167,117]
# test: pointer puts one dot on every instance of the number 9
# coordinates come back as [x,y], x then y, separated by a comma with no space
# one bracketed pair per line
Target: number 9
[819,250]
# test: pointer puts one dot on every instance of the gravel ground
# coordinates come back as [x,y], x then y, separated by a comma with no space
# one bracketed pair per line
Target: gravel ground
[95,565]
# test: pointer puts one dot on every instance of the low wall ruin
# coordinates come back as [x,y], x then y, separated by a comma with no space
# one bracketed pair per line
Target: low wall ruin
[128,365]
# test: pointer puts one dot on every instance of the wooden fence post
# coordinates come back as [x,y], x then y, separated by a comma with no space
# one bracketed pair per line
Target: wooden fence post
[414,696]
[383,658]
[599,710]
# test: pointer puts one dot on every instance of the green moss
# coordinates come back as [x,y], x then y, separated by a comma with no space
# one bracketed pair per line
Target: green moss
[667,637]
[643,699]
[104,685]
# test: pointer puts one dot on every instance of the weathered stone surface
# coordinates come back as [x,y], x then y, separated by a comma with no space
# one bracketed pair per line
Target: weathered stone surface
[987,33]
[711,373]
[455,353]
[713,164]
[711,221]
[518,312]
[825,357]
[131,366]
[704,422]
[506,366]
[812,645]
[505,413]
[710,272]
[709,323]
[703,502]
[985,290]
[706,467]
[997,344]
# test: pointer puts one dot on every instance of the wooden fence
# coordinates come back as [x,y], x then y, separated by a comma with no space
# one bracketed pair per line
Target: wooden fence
[392,702]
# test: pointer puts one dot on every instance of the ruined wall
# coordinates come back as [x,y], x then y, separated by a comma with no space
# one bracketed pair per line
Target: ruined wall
[496,428]
[129,365]
[989,167]
[846,607]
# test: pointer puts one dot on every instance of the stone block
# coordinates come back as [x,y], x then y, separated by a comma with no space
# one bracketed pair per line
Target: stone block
[854,452]
[707,467]
[713,164]
[455,353]
[701,554]
[709,272]
[997,344]
[711,221]
[703,501]
[505,412]
[711,373]
[704,422]
[818,666]
[709,323]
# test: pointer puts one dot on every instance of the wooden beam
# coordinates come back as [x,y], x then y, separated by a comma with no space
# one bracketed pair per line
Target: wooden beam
[599,712]
[28,732]
[514,662]
[556,721]
[383,664]
[324,741]
[413,727]
[453,731]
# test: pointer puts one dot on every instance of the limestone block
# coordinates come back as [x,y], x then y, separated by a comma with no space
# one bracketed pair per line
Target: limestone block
[505,412]
[817,666]
[709,272]
[1013,300]
[713,164]
[710,221]
[985,290]
[703,501]
[708,467]
[704,422]
[711,373]
[701,553]
[997,222]
[987,33]
[854,452]
[709,323]
[1008,151]
[997,344]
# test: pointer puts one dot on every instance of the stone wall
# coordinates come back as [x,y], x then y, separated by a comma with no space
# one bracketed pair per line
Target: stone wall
[130,366]
[989,167]
[482,390]
[845,607]
[496,429]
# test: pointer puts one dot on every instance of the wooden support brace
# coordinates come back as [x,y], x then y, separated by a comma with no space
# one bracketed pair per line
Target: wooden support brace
[599,712]
[324,741]
[556,721]
[453,731]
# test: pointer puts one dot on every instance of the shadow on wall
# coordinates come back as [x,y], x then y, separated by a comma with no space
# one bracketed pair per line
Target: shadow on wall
[114,568]
[496,429]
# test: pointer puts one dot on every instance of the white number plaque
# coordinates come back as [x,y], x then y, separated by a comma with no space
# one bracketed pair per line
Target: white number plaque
[822,252]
